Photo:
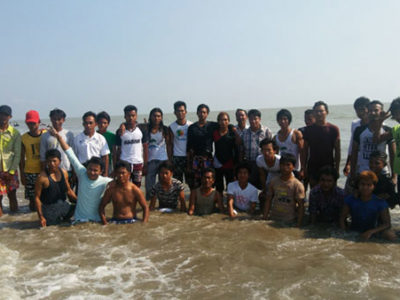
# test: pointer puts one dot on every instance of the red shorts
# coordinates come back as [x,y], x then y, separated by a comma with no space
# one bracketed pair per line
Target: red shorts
[8,185]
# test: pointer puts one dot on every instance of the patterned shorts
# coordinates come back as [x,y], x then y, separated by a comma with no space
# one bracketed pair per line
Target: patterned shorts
[136,174]
[199,163]
[8,185]
[30,179]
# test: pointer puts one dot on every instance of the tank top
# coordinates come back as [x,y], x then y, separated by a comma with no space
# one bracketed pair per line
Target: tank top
[55,191]
[287,146]
[204,204]
[157,147]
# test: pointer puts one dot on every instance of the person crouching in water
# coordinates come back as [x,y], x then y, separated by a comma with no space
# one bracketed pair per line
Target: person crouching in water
[366,208]
[51,189]
[124,195]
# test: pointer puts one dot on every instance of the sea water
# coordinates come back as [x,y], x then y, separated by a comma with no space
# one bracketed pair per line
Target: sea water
[176,256]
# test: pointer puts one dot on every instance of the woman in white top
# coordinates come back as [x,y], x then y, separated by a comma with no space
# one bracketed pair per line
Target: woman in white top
[159,146]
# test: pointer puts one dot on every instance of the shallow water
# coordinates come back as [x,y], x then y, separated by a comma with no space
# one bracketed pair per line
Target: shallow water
[176,256]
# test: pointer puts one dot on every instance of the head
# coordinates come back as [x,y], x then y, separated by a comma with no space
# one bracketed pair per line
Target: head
[268,148]
[53,159]
[243,172]
[287,163]
[156,118]
[89,122]
[32,120]
[375,109]
[103,121]
[254,119]
[122,172]
[207,177]
[94,167]
[241,116]
[202,112]
[223,119]
[284,118]
[395,109]
[309,117]
[366,182]
[130,114]
[327,178]
[361,107]
[57,118]
[321,111]
[165,171]
[377,161]
[180,110]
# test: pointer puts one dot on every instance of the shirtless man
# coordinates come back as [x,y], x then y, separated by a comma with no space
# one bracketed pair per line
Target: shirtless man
[124,195]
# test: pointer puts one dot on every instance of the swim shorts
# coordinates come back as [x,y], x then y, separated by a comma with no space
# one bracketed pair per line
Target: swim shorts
[122,221]
[8,185]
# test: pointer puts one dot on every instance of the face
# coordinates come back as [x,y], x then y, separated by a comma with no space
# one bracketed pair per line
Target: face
[376,165]
[57,122]
[396,115]
[102,125]
[283,122]
[53,163]
[156,118]
[286,168]
[374,112]
[268,151]
[309,119]
[241,117]
[362,112]
[255,122]
[93,171]
[320,113]
[33,127]
[89,124]
[4,119]
[243,175]
[207,180]
[165,175]
[180,113]
[202,114]
[326,182]
[366,187]
[122,175]
[223,121]
[130,117]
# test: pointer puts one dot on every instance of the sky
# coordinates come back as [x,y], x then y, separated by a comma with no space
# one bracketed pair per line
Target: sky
[81,55]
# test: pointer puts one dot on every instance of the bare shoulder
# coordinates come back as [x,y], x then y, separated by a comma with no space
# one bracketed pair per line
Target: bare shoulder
[65,173]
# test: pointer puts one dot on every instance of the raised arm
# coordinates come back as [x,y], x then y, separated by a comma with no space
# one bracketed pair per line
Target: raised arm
[379,136]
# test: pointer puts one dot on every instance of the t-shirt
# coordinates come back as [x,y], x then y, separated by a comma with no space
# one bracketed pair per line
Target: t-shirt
[131,143]
[157,147]
[200,138]
[326,207]
[363,136]
[321,141]
[285,195]
[48,142]
[180,133]
[396,137]
[90,192]
[111,139]
[354,125]
[169,198]
[86,147]
[242,199]
[385,190]
[273,171]
[32,152]
[364,214]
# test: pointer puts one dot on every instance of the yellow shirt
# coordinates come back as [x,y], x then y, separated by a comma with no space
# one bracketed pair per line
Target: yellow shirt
[32,152]
[10,149]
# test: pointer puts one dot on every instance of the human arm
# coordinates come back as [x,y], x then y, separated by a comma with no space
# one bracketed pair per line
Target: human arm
[70,193]
[268,202]
[145,157]
[192,201]
[104,201]
[300,212]
[38,191]
[105,160]
[385,224]
[337,155]
[392,153]
[142,202]
[153,201]
[218,201]
[263,178]
[22,165]
[303,159]
[181,198]
[378,136]
[17,154]
[230,201]
[300,145]
[343,215]
[169,142]
[353,159]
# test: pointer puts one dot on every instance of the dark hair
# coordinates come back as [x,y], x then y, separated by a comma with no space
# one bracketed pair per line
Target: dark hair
[53,153]
[57,113]
[254,113]
[329,171]
[208,170]
[201,106]
[267,141]
[379,155]
[367,175]
[319,103]
[284,113]
[242,165]
[96,161]
[123,164]
[129,108]
[221,114]
[166,165]
[178,104]
[361,102]
[239,110]
[89,114]
[151,124]
[375,102]
[103,115]
[309,112]
[395,105]
[287,158]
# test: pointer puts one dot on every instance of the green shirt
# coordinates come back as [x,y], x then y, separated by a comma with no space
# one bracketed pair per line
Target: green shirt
[111,140]
[396,137]
[10,149]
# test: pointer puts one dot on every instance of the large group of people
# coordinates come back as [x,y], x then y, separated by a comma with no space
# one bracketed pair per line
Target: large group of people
[231,169]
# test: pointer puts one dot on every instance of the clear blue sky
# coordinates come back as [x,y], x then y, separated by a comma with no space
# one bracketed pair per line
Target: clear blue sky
[94,55]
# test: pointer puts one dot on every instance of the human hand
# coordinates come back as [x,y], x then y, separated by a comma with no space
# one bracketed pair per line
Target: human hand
[43,222]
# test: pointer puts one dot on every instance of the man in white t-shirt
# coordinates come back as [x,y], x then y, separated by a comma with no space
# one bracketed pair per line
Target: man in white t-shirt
[241,194]
[178,131]
[90,144]
[132,146]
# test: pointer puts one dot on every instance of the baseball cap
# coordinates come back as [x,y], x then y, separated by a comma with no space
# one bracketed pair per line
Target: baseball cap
[32,116]
[5,109]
